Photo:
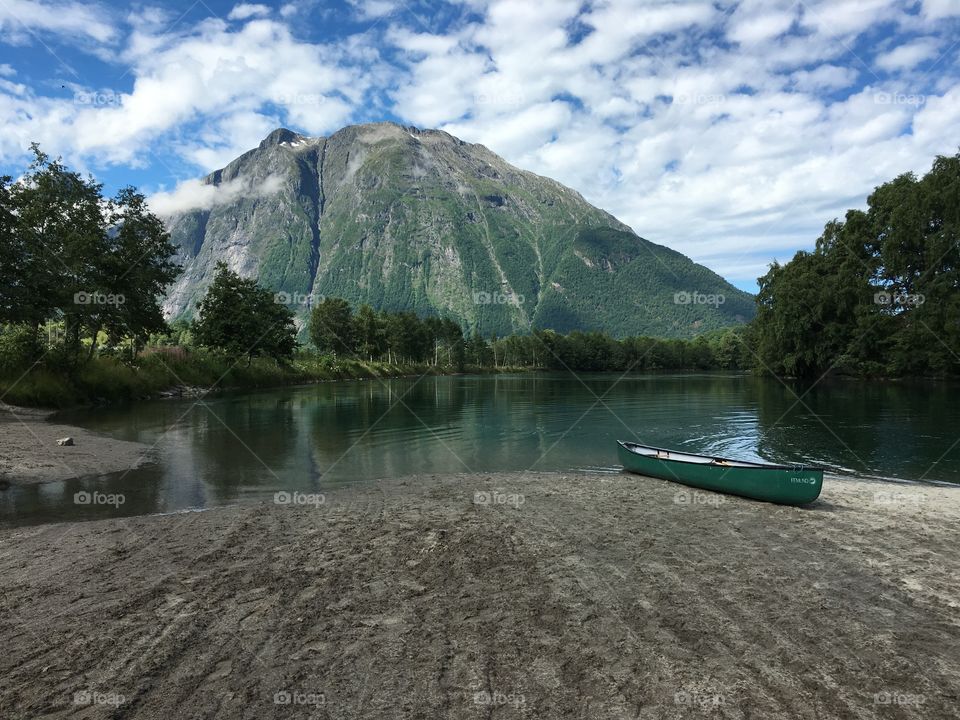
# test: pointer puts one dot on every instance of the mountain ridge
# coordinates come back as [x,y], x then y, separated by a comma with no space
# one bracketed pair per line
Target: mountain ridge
[416,219]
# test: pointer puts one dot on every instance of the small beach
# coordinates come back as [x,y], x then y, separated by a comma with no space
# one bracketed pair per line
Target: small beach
[29,452]
[492,595]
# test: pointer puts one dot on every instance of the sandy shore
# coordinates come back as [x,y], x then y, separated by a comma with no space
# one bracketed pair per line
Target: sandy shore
[29,452]
[555,596]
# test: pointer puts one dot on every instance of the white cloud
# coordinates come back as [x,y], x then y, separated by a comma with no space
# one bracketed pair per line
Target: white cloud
[909,55]
[761,27]
[374,9]
[197,195]
[730,137]
[70,19]
[940,9]
[210,72]
[824,77]
[245,11]
[832,18]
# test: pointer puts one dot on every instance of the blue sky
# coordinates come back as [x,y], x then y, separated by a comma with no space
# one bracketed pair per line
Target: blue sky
[731,131]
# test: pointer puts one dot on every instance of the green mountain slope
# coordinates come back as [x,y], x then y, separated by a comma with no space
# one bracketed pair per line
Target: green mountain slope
[413,219]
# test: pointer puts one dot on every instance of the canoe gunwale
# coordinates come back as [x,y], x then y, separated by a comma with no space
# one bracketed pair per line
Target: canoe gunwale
[740,464]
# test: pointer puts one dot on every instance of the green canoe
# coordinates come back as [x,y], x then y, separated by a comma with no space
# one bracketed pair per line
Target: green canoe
[785,484]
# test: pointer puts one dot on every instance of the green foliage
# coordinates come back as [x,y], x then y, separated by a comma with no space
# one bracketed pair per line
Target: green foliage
[331,327]
[370,333]
[594,351]
[239,318]
[19,348]
[880,294]
[68,253]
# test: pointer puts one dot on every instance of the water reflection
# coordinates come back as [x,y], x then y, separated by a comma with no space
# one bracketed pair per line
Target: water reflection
[312,438]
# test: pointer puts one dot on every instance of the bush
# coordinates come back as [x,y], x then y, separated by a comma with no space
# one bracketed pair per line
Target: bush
[19,348]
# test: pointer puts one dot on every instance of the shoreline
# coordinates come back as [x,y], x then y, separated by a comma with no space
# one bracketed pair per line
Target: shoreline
[557,595]
[29,453]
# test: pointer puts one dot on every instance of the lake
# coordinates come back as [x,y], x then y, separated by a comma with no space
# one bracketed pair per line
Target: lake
[309,439]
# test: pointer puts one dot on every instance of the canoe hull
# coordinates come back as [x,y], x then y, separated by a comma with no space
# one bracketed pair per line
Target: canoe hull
[771,483]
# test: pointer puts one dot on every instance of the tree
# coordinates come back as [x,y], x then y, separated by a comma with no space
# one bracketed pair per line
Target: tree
[407,337]
[137,267]
[454,344]
[68,254]
[60,238]
[881,291]
[238,317]
[477,351]
[331,327]
[369,332]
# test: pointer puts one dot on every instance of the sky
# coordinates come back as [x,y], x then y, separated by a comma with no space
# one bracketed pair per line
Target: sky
[731,131]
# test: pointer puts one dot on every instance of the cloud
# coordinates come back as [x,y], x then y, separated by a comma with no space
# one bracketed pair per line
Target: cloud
[833,18]
[940,9]
[198,195]
[760,27]
[826,77]
[245,11]
[211,71]
[908,56]
[731,132]
[20,18]
[374,9]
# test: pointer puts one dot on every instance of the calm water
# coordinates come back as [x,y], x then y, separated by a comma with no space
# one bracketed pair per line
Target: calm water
[313,438]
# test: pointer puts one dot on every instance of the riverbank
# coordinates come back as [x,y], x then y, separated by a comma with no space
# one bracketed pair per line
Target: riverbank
[516,595]
[30,453]
[106,380]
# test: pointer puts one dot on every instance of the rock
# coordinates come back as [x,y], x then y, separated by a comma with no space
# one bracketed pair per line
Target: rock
[65,441]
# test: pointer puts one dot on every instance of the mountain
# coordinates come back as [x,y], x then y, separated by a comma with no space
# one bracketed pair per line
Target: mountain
[403,218]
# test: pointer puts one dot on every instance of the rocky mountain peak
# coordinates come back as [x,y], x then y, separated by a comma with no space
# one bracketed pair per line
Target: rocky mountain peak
[281,135]
[408,218]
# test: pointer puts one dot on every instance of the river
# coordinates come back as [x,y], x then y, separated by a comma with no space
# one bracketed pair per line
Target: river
[233,447]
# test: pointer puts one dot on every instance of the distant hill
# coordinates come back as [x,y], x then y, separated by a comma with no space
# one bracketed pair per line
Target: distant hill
[402,218]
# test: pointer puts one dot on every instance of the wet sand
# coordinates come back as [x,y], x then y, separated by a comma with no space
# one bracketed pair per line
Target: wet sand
[546,596]
[29,452]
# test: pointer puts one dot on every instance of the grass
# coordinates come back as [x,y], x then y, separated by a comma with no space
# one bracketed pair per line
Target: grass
[108,380]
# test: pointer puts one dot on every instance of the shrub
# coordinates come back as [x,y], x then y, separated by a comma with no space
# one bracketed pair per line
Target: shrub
[19,348]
